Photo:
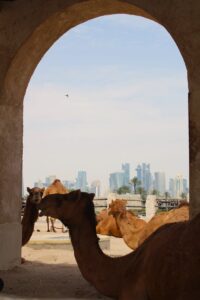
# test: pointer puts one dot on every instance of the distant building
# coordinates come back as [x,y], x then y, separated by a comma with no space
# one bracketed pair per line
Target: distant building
[178,186]
[160,182]
[70,185]
[96,188]
[139,173]
[116,180]
[119,179]
[49,180]
[81,181]
[172,190]
[144,176]
[39,184]
[126,170]
[185,186]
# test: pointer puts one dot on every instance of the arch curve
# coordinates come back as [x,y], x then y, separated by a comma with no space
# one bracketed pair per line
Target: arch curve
[48,30]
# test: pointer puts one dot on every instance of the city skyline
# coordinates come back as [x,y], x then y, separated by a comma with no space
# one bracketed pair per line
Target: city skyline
[149,180]
[127,87]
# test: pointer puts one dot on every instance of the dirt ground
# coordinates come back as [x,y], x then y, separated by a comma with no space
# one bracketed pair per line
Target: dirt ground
[50,270]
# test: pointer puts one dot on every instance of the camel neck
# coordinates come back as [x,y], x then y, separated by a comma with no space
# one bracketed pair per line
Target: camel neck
[104,272]
[131,230]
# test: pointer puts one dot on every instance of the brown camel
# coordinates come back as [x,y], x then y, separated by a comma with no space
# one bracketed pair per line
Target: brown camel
[30,215]
[55,188]
[134,230]
[166,266]
[106,224]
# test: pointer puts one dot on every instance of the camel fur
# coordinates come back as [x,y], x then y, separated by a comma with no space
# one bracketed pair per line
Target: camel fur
[30,213]
[55,188]
[134,230]
[106,224]
[166,266]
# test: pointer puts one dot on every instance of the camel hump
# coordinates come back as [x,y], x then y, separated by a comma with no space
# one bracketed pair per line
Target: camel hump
[55,188]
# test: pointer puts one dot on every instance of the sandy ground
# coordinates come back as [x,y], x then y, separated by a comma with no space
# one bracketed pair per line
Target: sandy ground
[50,270]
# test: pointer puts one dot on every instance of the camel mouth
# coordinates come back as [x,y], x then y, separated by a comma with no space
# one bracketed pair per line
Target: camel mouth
[40,209]
[41,213]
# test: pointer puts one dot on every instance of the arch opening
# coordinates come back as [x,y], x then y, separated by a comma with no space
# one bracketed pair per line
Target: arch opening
[31,43]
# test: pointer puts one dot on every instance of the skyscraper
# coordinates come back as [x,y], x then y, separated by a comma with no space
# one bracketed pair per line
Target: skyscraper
[96,188]
[49,180]
[116,180]
[185,186]
[172,187]
[139,173]
[126,169]
[81,181]
[178,186]
[159,183]
[144,176]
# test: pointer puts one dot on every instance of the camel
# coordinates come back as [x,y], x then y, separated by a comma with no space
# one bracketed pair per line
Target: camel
[106,224]
[30,215]
[55,188]
[166,266]
[134,230]
[179,214]
[130,226]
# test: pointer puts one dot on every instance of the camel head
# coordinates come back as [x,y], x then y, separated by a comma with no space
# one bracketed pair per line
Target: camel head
[69,208]
[35,194]
[117,207]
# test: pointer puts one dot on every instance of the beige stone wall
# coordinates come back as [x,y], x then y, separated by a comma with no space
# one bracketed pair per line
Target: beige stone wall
[28,29]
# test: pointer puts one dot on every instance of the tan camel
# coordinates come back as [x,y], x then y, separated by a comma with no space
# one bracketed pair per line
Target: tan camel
[130,226]
[106,224]
[55,188]
[134,230]
[178,214]
[166,266]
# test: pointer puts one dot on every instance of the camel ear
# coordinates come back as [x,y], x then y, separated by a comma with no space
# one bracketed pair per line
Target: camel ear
[29,190]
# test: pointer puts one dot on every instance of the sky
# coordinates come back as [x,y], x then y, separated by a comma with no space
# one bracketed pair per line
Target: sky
[127,87]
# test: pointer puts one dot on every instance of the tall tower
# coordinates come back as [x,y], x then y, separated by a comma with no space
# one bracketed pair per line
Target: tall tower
[116,181]
[179,185]
[126,169]
[139,173]
[49,180]
[81,181]
[144,175]
[159,183]
[96,188]
[172,187]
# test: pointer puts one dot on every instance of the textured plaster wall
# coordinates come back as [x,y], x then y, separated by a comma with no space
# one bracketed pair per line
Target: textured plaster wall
[28,29]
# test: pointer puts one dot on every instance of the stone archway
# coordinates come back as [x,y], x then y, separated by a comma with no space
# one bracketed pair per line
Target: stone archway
[29,28]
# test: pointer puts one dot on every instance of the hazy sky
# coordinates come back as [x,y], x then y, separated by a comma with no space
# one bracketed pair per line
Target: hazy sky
[127,87]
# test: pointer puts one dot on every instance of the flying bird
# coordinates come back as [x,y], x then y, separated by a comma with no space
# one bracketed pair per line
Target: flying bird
[67,95]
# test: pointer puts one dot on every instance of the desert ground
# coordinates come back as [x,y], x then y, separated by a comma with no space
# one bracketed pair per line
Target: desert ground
[50,270]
